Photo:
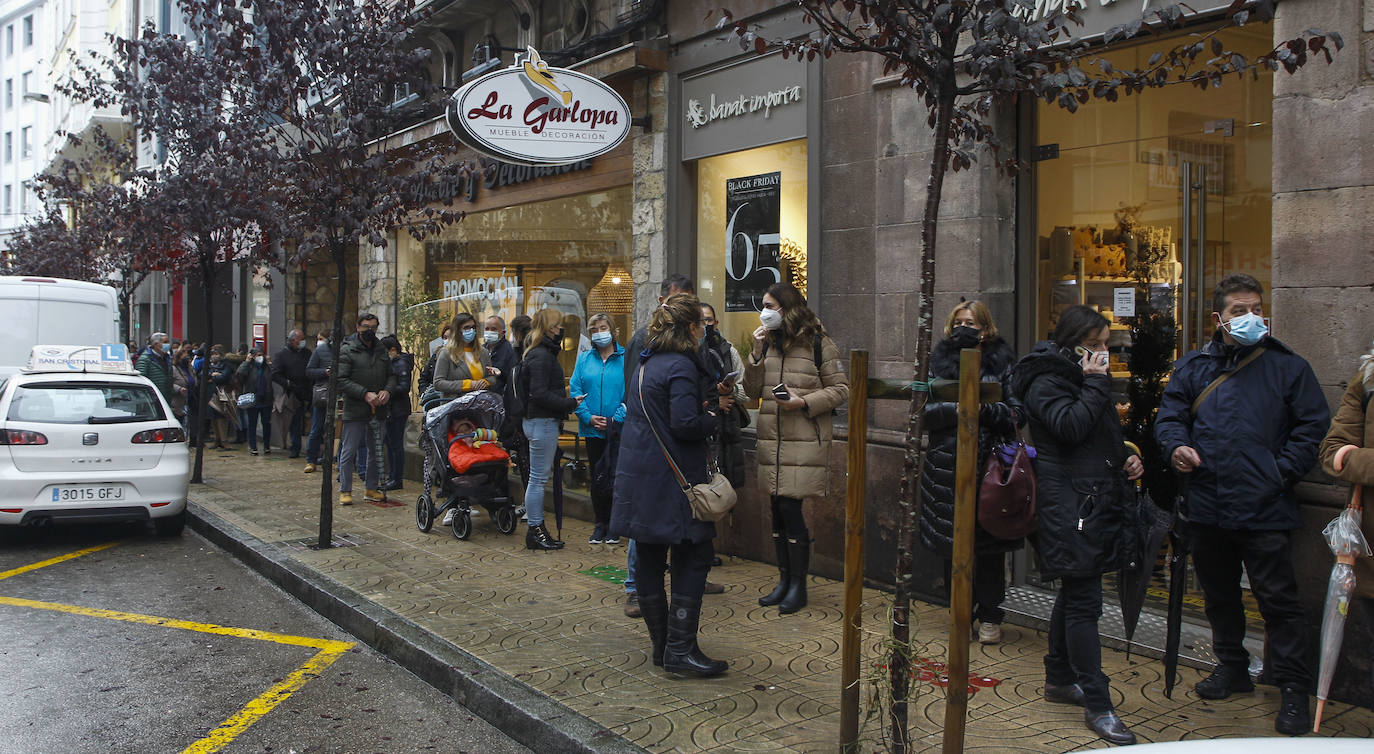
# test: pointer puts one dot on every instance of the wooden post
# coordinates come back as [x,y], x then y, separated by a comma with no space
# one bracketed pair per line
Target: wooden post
[854,550]
[961,581]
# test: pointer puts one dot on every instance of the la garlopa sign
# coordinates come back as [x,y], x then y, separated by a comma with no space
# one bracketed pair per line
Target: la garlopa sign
[534,114]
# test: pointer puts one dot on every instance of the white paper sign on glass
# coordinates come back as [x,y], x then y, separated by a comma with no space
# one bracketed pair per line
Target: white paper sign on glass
[534,114]
[1123,302]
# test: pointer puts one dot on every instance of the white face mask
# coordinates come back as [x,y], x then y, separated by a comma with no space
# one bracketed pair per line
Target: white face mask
[490,337]
[319,344]
[258,359]
[771,318]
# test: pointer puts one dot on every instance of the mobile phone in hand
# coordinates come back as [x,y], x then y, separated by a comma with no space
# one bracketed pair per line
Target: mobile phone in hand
[731,377]
[780,392]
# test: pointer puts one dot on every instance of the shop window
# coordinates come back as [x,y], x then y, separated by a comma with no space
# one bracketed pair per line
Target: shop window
[571,254]
[751,231]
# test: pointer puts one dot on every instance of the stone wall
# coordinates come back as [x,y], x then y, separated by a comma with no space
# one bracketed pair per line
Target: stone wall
[312,291]
[377,284]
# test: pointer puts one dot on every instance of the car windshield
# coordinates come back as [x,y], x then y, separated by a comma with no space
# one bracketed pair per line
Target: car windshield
[84,403]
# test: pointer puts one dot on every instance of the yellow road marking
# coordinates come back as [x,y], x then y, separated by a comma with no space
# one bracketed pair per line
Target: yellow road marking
[230,729]
[329,651]
[56,560]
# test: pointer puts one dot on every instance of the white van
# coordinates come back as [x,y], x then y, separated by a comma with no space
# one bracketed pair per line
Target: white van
[37,310]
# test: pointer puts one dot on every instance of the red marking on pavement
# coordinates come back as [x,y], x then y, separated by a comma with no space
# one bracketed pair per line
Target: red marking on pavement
[936,673]
[386,503]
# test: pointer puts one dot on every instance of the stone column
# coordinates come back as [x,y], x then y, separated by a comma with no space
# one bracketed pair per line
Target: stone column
[648,261]
[377,284]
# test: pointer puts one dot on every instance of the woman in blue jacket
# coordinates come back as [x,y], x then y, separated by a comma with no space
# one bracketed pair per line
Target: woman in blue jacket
[600,377]
[668,415]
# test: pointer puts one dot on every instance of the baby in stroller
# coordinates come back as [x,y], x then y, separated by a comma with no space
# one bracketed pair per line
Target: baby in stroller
[464,464]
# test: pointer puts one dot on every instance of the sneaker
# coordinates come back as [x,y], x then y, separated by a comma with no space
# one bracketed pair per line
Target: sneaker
[345,498]
[252,452]
[990,633]
[310,468]
[1293,718]
[520,510]
[448,516]
[1222,682]
[267,451]
[632,606]
[374,496]
[598,535]
[611,539]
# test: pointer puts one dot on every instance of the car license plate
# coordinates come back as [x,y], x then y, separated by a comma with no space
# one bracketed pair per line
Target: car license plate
[87,494]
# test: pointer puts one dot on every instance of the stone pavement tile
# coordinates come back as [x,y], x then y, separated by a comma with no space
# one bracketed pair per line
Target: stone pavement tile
[632,704]
[725,725]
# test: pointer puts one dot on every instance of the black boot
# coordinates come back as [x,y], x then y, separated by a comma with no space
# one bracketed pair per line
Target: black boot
[655,610]
[779,591]
[799,556]
[681,654]
[537,538]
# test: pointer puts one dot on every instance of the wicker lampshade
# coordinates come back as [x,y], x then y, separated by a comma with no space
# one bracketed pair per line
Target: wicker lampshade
[614,294]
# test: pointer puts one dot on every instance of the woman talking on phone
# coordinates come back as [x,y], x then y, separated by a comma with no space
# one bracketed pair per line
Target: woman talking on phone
[1082,468]
[795,368]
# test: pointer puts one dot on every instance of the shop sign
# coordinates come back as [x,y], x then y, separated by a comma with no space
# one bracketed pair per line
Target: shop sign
[1100,15]
[491,174]
[753,206]
[743,105]
[497,287]
[534,114]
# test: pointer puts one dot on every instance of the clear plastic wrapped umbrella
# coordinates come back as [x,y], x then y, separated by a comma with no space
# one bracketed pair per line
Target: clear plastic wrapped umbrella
[1346,541]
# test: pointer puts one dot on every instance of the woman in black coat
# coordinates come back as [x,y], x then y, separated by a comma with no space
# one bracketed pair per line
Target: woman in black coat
[1082,469]
[667,412]
[970,325]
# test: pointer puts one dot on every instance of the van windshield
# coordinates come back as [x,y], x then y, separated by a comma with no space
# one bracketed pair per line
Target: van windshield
[84,403]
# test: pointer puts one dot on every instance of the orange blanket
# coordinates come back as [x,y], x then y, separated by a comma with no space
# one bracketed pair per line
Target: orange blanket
[461,455]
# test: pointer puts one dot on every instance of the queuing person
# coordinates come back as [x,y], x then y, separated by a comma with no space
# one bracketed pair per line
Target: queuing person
[435,346]
[725,365]
[222,409]
[464,365]
[1242,420]
[155,363]
[969,325]
[519,330]
[795,368]
[398,411]
[253,376]
[670,286]
[289,372]
[546,407]
[184,393]
[235,360]
[317,369]
[1082,467]
[501,356]
[367,384]
[1347,453]
[444,335]
[668,415]
[599,378]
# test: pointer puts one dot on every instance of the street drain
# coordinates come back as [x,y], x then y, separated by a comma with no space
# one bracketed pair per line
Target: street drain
[309,543]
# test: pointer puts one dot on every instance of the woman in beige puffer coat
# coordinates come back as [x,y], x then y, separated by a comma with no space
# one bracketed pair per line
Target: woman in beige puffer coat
[792,350]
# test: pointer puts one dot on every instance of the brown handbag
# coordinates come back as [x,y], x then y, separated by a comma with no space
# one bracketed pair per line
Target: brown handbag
[1006,494]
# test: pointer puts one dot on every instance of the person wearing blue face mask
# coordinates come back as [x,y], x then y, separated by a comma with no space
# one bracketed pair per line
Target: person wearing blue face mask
[1242,420]
[464,365]
[600,376]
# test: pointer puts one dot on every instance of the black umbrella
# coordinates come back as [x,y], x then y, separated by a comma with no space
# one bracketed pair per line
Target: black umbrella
[1178,577]
[558,492]
[374,431]
[1147,524]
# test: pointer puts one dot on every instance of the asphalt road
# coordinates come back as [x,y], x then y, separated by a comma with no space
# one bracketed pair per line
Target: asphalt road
[83,668]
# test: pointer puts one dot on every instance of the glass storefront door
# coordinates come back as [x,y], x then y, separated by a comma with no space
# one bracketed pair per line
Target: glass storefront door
[1141,207]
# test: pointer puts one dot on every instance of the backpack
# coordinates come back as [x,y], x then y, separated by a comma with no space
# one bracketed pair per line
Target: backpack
[518,393]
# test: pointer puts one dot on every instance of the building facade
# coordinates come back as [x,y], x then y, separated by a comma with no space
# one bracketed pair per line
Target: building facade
[23,110]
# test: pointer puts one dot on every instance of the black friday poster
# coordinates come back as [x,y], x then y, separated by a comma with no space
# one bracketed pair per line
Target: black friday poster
[753,206]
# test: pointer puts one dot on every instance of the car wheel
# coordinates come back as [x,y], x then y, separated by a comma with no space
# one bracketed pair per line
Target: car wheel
[170,526]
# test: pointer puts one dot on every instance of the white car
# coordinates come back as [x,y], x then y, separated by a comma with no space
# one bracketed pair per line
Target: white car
[88,442]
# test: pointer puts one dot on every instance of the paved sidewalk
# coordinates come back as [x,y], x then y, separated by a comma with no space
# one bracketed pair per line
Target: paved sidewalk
[553,622]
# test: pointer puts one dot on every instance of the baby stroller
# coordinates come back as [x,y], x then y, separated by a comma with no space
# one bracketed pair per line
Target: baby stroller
[477,414]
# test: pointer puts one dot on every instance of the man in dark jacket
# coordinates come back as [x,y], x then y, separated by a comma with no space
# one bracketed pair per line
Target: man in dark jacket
[367,382]
[317,370]
[155,363]
[1242,444]
[288,370]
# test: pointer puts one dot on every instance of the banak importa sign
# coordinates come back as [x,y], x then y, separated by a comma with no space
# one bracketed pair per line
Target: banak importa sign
[533,114]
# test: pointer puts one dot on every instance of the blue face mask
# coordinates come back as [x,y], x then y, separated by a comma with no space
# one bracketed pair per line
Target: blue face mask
[1248,329]
[601,339]
[469,335]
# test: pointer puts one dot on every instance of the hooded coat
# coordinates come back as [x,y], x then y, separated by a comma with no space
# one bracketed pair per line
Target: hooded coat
[1081,488]
[256,378]
[650,506]
[996,422]
[1354,425]
[794,445]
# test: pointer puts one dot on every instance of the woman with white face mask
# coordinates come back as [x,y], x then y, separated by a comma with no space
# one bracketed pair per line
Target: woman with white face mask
[795,369]
[600,376]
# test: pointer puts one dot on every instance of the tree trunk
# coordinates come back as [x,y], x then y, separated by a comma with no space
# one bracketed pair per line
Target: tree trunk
[336,251]
[207,278]
[899,666]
